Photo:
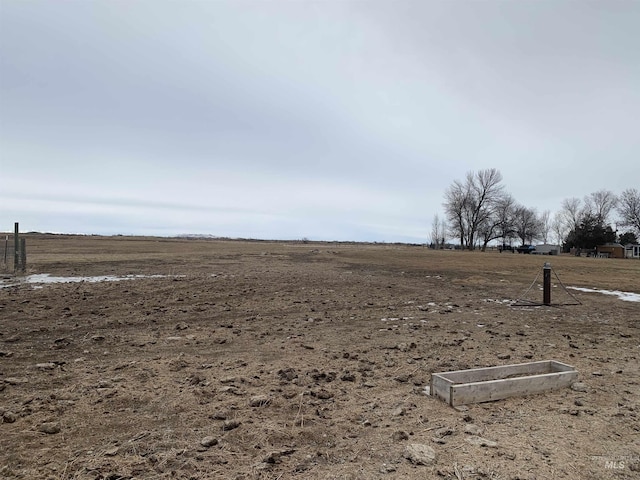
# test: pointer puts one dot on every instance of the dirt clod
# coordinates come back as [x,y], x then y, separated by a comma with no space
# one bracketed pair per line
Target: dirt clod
[579,387]
[50,428]
[9,417]
[209,441]
[420,454]
[230,425]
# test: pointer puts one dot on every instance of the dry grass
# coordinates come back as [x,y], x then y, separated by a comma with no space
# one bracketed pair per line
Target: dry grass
[94,255]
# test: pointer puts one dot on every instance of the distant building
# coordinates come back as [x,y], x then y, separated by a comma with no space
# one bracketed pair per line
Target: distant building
[632,251]
[610,250]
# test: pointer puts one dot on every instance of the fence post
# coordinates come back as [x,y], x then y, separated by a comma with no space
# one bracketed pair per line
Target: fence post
[16,248]
[546,284]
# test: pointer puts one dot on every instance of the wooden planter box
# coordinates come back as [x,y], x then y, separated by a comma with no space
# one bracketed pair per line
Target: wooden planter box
[494,383]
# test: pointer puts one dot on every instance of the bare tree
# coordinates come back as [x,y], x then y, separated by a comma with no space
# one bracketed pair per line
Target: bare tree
[545,226]
[487,191]
[505,212]
[456,200]
[560,228]
[600,204]
[487,231]
[438,232]
[500,223]
[571,214]
[629,209]
[527,224]
[470,204]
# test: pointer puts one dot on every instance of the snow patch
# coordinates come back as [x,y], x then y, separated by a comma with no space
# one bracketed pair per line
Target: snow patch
[625,296]
[39,279]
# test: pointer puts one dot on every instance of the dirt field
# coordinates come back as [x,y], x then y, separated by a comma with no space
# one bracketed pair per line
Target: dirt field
[271,360]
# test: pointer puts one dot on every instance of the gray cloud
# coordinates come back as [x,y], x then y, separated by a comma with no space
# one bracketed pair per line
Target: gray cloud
[318,119]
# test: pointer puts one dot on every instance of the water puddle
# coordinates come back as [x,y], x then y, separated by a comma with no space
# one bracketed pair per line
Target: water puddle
[625,296]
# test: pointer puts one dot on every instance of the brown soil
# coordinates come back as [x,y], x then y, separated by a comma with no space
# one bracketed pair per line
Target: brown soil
[273,360]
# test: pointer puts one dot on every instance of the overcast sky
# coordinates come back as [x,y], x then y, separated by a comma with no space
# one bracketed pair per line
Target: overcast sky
[330,120]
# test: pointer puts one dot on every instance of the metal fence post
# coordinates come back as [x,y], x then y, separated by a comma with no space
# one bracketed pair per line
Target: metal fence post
[16,246]
[546,285]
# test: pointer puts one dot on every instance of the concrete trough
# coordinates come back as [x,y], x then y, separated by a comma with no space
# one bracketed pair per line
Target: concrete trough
[479,385]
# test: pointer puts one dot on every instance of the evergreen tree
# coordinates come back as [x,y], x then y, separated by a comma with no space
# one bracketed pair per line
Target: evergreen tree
[590,233]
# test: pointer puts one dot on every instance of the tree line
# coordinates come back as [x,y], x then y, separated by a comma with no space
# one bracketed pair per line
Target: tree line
[479,210]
